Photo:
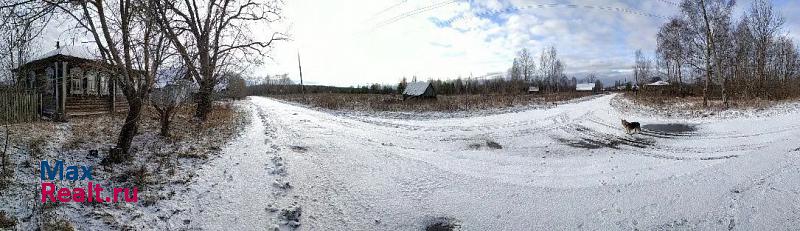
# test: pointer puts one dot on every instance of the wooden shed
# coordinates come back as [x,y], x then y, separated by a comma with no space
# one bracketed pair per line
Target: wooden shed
[423,90]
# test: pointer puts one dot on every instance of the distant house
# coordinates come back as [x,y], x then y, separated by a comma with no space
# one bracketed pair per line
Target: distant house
[70,82]
[658,83]
[533,90]
[419,90]
[584,87]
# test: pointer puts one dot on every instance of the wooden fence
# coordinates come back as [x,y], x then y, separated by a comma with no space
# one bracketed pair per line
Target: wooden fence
[18,105]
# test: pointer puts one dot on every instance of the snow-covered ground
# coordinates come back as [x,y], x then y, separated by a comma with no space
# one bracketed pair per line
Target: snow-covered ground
[568,167]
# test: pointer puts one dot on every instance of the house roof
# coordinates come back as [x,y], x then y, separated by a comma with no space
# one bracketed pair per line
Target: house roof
[71,51]
[584,87]
[64,53]
[74,52]
[658,83]
[416,88]
[533,89]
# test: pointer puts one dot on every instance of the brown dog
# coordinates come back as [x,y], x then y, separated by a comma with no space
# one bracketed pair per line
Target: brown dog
[631,126]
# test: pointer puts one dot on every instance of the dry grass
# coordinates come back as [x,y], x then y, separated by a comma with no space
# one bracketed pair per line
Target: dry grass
[443,103]
[89,131]
[156,161]
[57,225]
[7,222]
[695,103]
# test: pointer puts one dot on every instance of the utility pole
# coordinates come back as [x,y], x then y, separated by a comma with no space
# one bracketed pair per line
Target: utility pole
[300,67]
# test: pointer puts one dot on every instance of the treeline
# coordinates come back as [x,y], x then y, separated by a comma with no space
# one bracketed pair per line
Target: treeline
[747,57]
[458,86]
[291,88]
[547,76]
[499,85]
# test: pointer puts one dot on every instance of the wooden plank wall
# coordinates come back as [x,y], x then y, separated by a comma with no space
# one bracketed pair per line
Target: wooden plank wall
[18,106]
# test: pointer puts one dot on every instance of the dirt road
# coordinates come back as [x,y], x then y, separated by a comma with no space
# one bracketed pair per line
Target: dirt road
[568,167]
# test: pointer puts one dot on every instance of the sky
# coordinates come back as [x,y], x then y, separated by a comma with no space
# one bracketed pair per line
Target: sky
[350,42]
[359,42]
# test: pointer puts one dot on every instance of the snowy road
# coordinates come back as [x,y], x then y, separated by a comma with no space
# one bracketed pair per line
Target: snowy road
[569,167]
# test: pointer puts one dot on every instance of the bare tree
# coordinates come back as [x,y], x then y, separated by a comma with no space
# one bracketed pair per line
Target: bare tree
[642,70]
[765,23]
[785,63]
[591,78]
[213,36]
[402,85]
[551,69]
[515,72]
[4,160]
[131,47]
[22,23]
[672,46]
[167,100]
[527,65]
[743,57]
[703,19]
[236,88]
[748,58]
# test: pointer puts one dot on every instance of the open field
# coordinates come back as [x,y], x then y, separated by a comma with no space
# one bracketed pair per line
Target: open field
[443,103]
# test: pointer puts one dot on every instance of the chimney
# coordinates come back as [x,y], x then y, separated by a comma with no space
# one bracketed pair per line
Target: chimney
[58,45]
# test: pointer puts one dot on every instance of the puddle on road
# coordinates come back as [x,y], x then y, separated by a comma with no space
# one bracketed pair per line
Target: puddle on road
[670,128]
[488,144]
[297,148]
[442,224]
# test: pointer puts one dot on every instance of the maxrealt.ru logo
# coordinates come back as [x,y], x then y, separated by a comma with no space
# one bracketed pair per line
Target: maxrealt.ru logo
[91,193]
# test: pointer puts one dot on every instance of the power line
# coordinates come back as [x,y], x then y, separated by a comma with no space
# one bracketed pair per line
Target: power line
[670,2]
[556,5]
[413,12]
[518,8]
[388,8]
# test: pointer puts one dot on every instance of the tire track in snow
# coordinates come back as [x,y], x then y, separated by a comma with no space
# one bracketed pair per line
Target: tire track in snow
[351,164]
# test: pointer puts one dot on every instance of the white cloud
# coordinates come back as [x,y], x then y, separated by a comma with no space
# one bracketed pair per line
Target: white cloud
[354,42]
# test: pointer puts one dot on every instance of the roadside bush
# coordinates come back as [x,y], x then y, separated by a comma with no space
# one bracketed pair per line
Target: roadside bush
[58,225]
[7,222]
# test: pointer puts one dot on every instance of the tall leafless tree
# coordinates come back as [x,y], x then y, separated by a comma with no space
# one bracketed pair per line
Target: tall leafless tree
[214,36]
[551,69]
[703,18]
[527,64]
[765,23]
[672,46]
[131,46]
[642,70]
[21,23]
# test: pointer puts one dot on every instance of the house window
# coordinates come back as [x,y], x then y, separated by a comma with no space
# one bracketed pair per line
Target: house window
[103,83]
[76,79]
[91,82]
[31,80]
[50,75]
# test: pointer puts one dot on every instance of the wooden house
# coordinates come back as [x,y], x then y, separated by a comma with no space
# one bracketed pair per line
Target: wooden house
[420,90]
[71,82]
[584,87]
